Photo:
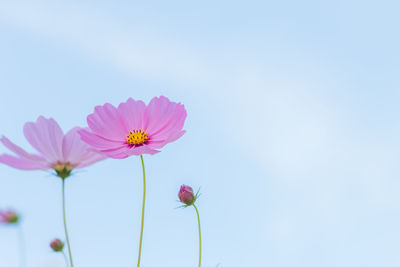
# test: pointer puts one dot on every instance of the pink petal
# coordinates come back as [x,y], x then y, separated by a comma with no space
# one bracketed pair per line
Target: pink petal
[141,150]
[174,124]
[106,122]
[131,113]
[157,111]
[91,157]
[21,152]
[78,152]
[46,136]
[117,153]
[22,163]
[99,142]
[164,118]
[112,149]
[127,151]
[156,144]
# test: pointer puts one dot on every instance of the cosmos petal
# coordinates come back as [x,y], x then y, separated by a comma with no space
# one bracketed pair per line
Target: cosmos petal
[76,151]
[105,121]
[23,163]
[156,144]
[90,158]
[141,150]
[164,118]
[99,142]
[46,136]
[117,153]
[131,113]
[21,152]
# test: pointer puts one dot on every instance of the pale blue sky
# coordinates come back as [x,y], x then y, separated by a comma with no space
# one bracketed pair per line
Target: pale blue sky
[293,130]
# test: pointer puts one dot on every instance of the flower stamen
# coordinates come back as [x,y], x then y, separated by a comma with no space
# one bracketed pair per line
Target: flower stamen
[137,137]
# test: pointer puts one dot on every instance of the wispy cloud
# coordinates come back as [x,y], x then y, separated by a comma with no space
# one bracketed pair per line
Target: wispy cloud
[100,36]
[286,121]
[280,110]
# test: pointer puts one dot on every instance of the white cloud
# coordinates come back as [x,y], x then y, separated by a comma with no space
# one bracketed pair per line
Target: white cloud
[98,35]
[282,118]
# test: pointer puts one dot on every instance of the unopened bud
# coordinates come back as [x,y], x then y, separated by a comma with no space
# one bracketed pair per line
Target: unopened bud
[8,217]
[186,195]
[57,245]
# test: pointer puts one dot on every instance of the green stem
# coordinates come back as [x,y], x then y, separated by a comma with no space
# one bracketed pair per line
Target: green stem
[198,220]
[21,246]
[65,222]
[143,206]
[65,258]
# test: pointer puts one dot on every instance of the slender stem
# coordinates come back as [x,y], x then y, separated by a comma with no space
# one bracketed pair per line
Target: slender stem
[143,206]
[65,258]
[65,223]
[198,220]
[21,246]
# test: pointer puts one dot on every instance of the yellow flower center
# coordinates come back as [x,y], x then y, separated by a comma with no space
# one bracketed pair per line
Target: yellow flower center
[137,137]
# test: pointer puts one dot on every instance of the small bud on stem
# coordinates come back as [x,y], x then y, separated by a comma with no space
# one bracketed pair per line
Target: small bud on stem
[57,245]
[9,217]
[186,195]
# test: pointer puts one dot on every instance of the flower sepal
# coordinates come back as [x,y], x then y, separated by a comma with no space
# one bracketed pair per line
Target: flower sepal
[63,170]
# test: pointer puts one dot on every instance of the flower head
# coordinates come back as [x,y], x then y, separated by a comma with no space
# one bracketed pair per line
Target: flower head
[186,195]
[57,245]
[9,217]
[134,128]
[56,150]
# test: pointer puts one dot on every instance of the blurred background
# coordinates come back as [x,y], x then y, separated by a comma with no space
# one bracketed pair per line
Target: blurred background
[293,130]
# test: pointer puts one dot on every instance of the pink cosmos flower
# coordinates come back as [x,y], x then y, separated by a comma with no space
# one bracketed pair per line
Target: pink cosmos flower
[55,150]
[133,128]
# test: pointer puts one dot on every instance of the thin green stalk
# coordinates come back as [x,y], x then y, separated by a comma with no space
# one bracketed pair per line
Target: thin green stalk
[198,220]
[143,206]
[21,246]
[65,222]
[65,258]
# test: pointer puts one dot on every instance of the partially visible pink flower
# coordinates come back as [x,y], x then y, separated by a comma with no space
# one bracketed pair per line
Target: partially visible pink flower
[186,195]
[9,217]
[134,128]
[56,150]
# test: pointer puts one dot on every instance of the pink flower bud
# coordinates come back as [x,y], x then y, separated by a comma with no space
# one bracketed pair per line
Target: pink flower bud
[57,245]
[8,217]
[186,195]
